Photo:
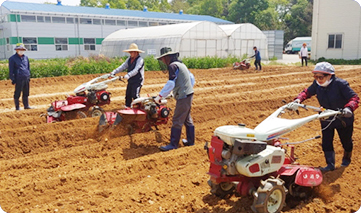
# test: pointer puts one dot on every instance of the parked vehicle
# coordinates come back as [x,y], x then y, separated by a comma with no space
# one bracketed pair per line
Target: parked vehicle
[294,46]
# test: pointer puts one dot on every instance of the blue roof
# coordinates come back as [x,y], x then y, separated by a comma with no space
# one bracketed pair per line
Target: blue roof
[21,6]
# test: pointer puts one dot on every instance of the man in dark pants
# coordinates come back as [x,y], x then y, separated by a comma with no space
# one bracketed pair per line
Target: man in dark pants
[135,76]
[333,93]
[181,81]
[19,74]
[257,56]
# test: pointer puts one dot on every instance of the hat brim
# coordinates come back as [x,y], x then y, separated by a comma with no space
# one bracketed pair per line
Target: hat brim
[168,53]
[323,72]
[21,48]
[133,50]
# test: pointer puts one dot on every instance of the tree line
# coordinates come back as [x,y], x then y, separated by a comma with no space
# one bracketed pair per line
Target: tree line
[294,17]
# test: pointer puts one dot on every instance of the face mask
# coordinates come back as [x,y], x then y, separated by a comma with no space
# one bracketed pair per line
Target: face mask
[324,84]
[21,52]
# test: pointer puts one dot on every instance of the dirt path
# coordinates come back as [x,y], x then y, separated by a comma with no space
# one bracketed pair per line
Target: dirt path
[69,167]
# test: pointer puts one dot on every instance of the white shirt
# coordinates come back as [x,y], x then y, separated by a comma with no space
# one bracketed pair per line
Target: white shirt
[304,52]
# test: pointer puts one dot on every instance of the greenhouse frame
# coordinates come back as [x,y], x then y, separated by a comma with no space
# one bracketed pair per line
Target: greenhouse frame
[196,39]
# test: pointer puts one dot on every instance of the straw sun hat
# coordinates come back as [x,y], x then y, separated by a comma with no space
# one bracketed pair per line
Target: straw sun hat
[133,48]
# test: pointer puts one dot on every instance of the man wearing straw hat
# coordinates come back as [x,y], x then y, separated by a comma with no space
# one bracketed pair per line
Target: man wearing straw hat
[19,74]
[181,81]
[135,76]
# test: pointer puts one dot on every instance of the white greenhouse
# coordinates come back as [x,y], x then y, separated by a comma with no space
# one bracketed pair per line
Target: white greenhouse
[243,37]
[196,39]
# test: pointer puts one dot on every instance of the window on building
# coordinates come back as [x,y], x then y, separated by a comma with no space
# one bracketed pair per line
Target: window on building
[31,43]
[25,18]
[58,19]
[70,20]
[121,22]
[143,24]
[97,22]
[109,22]
[132,23]
[335,41]
[85,21]
[61,44]
[47,19]
[153,23]
[40,18]
[89,43]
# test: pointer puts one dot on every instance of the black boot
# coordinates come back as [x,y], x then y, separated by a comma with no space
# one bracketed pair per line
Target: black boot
[174,140]
[346,160]
[190,136]
[26,103]
[17,105]
[330,160]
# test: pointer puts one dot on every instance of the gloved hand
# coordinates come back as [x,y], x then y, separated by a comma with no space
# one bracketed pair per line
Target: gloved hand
[13,82]
[126,77]
[347,112]
[293,105]
[111,75]
[158,99]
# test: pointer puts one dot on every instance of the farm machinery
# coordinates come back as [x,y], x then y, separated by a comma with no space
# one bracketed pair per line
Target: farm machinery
[243,65]
[254,162]
[143,114]
[89,95]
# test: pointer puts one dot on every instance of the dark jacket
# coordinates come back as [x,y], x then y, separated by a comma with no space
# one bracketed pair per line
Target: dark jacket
[19,67]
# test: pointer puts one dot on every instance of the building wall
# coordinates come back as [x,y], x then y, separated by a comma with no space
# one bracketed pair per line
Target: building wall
[336,17]
[275,43]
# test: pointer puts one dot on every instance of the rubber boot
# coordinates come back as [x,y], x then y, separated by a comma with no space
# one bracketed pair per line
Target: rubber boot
[346,159]
[174,140]
[330,160]
[26,103]
[190,136]
[17,105]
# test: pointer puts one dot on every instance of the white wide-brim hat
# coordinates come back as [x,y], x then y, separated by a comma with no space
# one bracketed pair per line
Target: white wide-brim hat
[133,48]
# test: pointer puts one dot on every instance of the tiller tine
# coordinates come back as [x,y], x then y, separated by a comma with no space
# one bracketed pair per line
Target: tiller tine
[117,120]
[103,123]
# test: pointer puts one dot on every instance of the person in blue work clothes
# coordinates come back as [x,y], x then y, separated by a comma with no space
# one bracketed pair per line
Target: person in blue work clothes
[135,76]
[257,56]
[333,93]
[181,82]
[19,74]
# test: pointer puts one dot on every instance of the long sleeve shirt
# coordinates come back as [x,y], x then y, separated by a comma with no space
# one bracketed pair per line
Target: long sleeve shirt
[19,67]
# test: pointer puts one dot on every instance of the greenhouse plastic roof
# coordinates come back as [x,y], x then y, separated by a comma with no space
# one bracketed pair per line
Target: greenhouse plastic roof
[174,30]
[52,8]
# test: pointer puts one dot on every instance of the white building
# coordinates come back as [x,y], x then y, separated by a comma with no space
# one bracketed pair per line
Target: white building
[243,37]
[50,31]
[196,39]
[336,29]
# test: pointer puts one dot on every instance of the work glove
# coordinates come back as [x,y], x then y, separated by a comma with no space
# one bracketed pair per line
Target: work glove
[13,82]
[158,99]
[126,77]
[111,75]
[347,112]
[293,105]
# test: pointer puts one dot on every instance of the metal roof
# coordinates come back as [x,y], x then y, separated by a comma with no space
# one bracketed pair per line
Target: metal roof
[52,8]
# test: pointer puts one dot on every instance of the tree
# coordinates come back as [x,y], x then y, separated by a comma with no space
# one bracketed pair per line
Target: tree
[245,11]
[212,7]
[298,21]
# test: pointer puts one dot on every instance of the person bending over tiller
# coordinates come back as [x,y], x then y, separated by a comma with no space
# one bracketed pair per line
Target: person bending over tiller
[181,81]
[135,76]
[333,93]
[257,56]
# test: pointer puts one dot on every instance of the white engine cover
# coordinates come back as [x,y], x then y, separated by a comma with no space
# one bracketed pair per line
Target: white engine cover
[231,132]
[269,160]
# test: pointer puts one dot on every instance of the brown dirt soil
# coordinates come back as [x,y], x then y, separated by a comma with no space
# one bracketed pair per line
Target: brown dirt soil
[69,167]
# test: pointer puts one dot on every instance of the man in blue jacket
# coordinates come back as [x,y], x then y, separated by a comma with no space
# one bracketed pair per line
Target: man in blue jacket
[257,56]
[19,74]
[333,93]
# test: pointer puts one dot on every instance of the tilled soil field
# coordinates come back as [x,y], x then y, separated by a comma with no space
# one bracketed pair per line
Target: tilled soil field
[70,167]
